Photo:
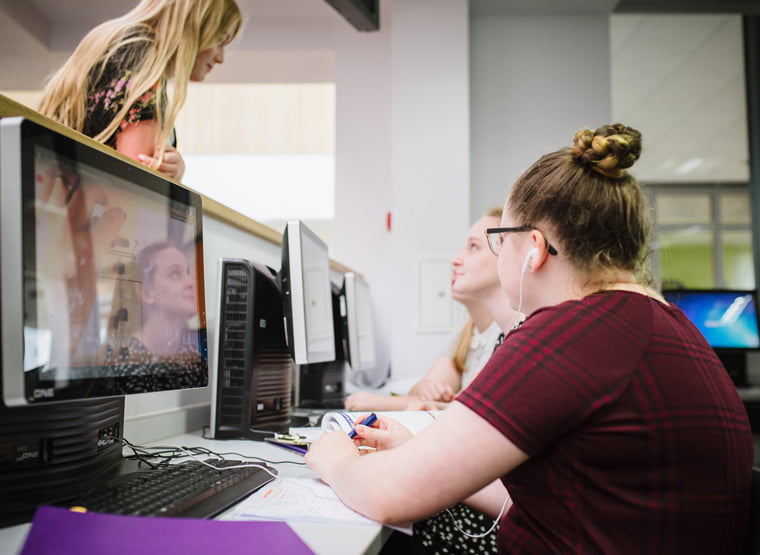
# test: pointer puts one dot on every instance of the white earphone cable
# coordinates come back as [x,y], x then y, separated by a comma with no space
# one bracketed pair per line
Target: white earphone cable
[491,529]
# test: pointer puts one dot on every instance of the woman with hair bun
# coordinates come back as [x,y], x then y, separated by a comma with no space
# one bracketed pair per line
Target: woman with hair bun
[606,416]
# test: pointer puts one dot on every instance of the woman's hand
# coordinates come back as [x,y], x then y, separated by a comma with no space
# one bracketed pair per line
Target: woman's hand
[385,433]
[325,453]
[361,400]
[172,164]
[433,390]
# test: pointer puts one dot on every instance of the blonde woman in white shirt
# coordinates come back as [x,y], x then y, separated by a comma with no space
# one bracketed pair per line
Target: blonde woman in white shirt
[475,284]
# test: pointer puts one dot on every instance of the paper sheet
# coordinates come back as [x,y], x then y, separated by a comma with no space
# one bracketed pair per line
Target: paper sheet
[295,499]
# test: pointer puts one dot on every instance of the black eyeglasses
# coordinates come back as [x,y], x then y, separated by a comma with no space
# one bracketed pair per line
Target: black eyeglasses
[495,237]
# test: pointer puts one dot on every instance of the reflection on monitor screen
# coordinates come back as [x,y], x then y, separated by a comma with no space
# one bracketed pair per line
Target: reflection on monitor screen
[105,270]
[727,319]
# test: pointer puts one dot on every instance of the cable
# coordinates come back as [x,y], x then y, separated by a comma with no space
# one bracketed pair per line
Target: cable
[167,455]
[274,475]
[484,534]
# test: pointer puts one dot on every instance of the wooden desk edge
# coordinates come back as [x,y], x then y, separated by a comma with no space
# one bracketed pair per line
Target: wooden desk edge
[211,208]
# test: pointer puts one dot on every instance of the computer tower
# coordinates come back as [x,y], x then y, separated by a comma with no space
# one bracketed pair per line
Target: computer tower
[252,371]
[53,453]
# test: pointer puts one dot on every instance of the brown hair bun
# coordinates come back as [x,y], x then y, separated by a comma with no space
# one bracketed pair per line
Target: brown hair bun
[609,150]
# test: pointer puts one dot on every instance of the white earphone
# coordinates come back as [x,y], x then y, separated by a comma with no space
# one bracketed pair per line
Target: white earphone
[532,253]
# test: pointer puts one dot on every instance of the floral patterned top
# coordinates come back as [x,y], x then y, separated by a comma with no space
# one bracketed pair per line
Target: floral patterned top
[139,370]
[108,89]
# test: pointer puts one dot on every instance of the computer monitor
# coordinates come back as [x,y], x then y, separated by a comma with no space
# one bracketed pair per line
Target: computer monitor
[101,295]
[304,279]
[728,320]
[359,324]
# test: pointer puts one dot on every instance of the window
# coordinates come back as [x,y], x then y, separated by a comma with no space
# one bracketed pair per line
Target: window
[703,236]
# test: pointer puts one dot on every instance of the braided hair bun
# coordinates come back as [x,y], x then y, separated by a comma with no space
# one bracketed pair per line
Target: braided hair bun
[609,150]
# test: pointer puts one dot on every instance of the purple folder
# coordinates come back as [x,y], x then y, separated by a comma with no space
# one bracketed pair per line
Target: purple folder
[61,531]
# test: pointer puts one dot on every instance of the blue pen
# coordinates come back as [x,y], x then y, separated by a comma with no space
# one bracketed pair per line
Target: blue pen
[366,422]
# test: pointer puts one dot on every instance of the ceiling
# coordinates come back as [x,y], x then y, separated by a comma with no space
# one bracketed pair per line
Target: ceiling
[677,74]
[679,77]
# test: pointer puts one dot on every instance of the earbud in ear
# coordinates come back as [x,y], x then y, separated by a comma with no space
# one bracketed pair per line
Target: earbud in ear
[532,253]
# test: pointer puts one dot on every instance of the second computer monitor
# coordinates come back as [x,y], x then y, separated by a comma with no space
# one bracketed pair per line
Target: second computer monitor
[360,331]
[307,299]
[728,319]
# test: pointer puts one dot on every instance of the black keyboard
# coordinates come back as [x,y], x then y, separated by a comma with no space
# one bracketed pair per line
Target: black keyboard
[189,489]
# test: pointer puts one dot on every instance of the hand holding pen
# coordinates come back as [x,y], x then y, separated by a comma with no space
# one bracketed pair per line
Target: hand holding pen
[368,421]
[386,434]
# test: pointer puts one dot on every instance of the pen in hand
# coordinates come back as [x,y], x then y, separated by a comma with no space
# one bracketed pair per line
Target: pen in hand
[366,422]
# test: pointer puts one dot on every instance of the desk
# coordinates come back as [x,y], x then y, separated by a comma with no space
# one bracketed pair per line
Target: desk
[323,538]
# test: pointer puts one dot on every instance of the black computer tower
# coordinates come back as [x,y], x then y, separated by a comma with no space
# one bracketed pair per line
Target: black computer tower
[252,373]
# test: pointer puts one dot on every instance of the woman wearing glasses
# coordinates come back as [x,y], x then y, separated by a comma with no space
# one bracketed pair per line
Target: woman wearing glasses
[606,415]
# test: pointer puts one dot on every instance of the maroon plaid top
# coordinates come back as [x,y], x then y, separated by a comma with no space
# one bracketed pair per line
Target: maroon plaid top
[637,438]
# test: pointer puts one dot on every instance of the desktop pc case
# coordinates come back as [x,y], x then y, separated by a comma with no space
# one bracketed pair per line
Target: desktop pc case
[253,370]
[54,452]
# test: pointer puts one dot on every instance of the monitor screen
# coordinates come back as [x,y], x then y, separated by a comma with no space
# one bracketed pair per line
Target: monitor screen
[359,322]
[727,318]
[102,277]
[307,299]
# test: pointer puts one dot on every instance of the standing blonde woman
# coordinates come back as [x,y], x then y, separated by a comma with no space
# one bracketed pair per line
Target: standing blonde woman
[114,89]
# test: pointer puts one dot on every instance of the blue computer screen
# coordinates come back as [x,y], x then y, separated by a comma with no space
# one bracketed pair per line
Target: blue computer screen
[727,319]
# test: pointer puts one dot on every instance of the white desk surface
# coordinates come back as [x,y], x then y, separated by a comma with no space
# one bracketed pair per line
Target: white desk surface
[324,538]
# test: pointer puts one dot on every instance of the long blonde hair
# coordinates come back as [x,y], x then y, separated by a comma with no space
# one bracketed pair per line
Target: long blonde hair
[462,348]
[174,31]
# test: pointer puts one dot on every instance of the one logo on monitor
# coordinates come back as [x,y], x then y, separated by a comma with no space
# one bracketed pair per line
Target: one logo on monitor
[43,393]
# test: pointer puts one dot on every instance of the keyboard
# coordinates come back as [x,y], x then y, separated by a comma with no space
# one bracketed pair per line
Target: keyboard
[190,489]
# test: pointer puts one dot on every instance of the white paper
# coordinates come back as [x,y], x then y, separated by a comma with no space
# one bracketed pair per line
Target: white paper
[295,499]
[306,499]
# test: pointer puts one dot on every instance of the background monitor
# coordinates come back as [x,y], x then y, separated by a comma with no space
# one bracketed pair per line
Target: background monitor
[93,248]
[359,325]
[728,320]
[304,279]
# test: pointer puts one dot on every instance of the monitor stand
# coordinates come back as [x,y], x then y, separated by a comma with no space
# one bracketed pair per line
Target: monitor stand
[320,385]
[735,363]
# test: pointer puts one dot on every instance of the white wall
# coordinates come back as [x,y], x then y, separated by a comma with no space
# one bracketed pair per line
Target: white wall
[535,80]
[430,167]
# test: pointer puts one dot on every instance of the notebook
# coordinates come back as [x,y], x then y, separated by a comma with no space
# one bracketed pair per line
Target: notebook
[59,531]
